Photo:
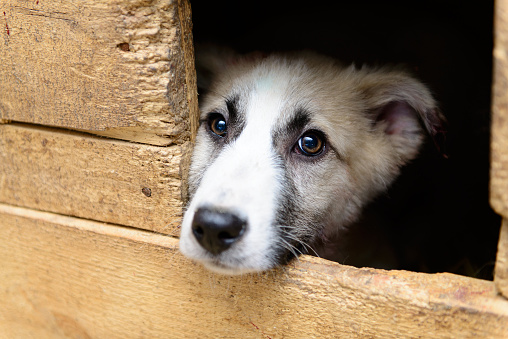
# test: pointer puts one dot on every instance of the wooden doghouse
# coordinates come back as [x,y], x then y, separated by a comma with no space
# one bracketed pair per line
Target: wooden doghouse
[98,109]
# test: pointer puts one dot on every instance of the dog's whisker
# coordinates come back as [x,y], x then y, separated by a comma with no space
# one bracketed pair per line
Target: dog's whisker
[303,243]
[287,227]
[290,248]
[176,224]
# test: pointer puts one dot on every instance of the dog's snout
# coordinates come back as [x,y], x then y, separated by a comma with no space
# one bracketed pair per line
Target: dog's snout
[216,231]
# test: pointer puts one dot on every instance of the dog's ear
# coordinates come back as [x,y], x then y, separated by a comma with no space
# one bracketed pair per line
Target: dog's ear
[399,105]
[211,60]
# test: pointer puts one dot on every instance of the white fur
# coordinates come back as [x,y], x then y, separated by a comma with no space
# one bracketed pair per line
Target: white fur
[245,179]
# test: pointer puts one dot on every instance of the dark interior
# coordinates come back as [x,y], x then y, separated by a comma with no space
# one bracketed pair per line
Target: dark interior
[436,217]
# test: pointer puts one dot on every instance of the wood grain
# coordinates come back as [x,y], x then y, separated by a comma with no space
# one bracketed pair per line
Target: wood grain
[499,144]
[499,140]
[123,69]
[92,177]
[501,271]
[65,277]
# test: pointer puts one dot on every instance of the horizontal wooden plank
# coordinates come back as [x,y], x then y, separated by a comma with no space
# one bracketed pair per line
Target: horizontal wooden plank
[499,143]
[123,69]
[65,277]
[501,272]
[92,177]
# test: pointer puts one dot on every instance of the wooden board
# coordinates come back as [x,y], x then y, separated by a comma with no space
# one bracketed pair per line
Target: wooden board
[501,272]
[123,69]
[499,152]
[499,140]
[92,177]
[64,277]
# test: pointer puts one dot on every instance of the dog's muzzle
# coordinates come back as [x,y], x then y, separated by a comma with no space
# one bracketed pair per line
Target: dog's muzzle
[216,230]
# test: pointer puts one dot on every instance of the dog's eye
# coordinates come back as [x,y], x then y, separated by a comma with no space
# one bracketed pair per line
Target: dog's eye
[217,124]
[311,143]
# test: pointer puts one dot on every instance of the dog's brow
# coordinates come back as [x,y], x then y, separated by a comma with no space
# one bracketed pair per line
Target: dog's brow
[231,104]
[298,122]
[236,120]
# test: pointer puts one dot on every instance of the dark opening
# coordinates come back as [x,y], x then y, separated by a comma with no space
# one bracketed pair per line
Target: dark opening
[436,217]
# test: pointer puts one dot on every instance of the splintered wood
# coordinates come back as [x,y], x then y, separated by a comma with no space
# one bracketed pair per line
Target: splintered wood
[82,279]
[123,69]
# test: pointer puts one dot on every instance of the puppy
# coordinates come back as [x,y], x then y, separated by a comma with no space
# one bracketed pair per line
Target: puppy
[289,150]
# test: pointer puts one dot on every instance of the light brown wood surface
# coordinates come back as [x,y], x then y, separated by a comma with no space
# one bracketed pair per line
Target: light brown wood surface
[92,177]
[499,140]
[501,271]
[499,152]
[123,69]
[65,277]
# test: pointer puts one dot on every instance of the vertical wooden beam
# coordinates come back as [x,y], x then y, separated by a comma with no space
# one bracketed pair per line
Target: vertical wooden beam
[499,151]
[501,272]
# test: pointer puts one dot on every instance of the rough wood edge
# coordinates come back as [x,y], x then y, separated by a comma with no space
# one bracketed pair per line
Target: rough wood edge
[499,126]
[187,43]
[97,227]
[501,271]
[133,134]
[499,140]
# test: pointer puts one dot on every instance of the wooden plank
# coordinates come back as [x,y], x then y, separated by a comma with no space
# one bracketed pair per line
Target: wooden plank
[123,69]
[92,177]
[501,272]
[66,277]
[499,140]
[499,144]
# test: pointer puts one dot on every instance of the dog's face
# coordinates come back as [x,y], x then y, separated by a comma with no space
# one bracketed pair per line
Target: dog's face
[289,150]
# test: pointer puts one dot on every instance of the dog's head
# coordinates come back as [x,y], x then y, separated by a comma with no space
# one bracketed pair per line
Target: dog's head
[289,150]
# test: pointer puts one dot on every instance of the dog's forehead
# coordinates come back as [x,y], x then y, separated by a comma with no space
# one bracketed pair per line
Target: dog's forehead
[269,101]
[273,94]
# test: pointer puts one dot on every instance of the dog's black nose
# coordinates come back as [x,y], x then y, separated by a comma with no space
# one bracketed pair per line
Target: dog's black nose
[217,231]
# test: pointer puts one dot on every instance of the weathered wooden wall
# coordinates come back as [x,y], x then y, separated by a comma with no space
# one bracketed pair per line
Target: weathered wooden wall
[499,152]
[122,69]
[78,255]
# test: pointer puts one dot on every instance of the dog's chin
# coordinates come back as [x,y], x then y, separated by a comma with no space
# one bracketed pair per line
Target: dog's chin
[234,266]
[239,267]
[220,268]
